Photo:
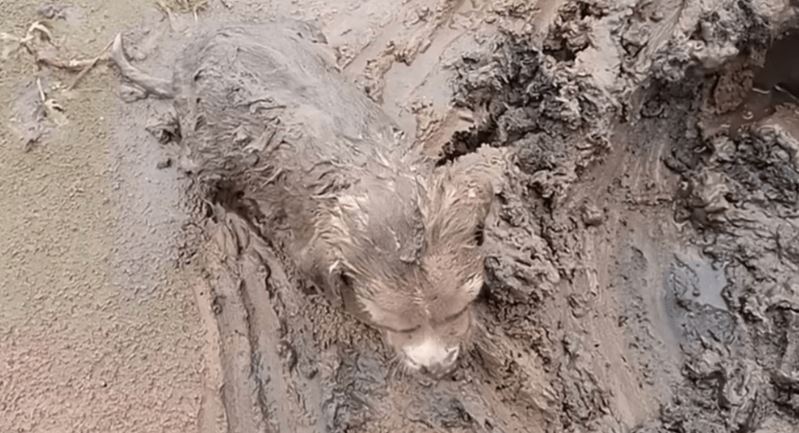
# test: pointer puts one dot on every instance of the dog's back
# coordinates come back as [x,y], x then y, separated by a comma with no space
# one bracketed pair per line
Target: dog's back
[265,96]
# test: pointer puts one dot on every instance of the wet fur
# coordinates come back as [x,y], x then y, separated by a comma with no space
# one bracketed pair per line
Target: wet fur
[366,215]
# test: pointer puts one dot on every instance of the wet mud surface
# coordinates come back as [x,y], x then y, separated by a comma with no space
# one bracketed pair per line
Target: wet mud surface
[643,259]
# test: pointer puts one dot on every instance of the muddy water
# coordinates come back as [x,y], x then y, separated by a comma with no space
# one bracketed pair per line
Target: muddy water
[642,262]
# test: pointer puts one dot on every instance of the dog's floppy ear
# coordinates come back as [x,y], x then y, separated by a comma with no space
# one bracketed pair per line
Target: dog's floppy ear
[342,283]
[460,196]
[331,239]
[319,259]
[331,276]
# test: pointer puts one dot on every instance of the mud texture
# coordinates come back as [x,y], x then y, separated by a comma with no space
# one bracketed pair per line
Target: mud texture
[642,268]
[657,194]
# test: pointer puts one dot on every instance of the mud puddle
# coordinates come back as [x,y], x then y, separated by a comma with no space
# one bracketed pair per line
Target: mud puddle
[693,279]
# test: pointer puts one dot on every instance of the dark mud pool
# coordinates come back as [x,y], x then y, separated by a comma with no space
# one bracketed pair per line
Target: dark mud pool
[641,259]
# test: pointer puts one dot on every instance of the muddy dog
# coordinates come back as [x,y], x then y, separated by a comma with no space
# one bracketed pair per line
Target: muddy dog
[369,218]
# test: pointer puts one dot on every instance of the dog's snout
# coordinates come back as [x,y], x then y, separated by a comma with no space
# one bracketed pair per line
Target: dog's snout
[434,360]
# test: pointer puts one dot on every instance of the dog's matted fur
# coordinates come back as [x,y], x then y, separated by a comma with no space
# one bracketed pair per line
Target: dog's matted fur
[369,218]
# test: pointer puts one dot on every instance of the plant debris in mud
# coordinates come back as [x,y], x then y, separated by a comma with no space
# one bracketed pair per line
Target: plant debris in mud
[38,42]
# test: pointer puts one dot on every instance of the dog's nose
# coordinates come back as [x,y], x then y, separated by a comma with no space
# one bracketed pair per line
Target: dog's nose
[432,356]
[443,367]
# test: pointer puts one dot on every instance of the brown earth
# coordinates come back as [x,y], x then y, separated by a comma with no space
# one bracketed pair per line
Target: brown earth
[643,264]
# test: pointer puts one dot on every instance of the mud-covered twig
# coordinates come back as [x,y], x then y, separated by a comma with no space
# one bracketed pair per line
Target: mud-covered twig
[182,6]
[169,14]
[52,109]
[91,64]
[69,65]
[193,6]
[42,95]
[26,41]
[49,109]
[82,66]
[159,87]
[199,6]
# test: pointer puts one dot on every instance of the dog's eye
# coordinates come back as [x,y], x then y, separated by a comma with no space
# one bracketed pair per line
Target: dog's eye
[400,331]
[452,317]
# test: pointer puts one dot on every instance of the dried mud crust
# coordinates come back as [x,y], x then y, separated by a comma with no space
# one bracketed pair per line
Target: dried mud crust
[642,269]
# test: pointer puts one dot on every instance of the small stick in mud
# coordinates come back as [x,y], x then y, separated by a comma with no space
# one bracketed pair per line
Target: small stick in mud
[25,41]
[69,65]
[51,107]
[46,107]
[156,86]
[82,66]
[169,14]
[181,6]
[91,64]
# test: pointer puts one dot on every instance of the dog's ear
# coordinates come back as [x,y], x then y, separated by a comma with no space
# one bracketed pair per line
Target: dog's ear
[460,196]
[342,284]
[333,241]
[319,257]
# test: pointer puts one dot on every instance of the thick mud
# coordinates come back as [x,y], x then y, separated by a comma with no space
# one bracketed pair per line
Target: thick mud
[663,190]
[643,260]
[642,272]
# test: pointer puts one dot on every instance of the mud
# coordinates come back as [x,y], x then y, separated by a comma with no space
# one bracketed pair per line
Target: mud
[642,268]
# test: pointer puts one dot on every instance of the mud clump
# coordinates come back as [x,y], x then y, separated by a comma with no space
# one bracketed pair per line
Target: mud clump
[707,332]
[743,200]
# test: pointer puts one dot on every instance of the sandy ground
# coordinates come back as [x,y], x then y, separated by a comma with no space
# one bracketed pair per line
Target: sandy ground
[643,266]
[99,329]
